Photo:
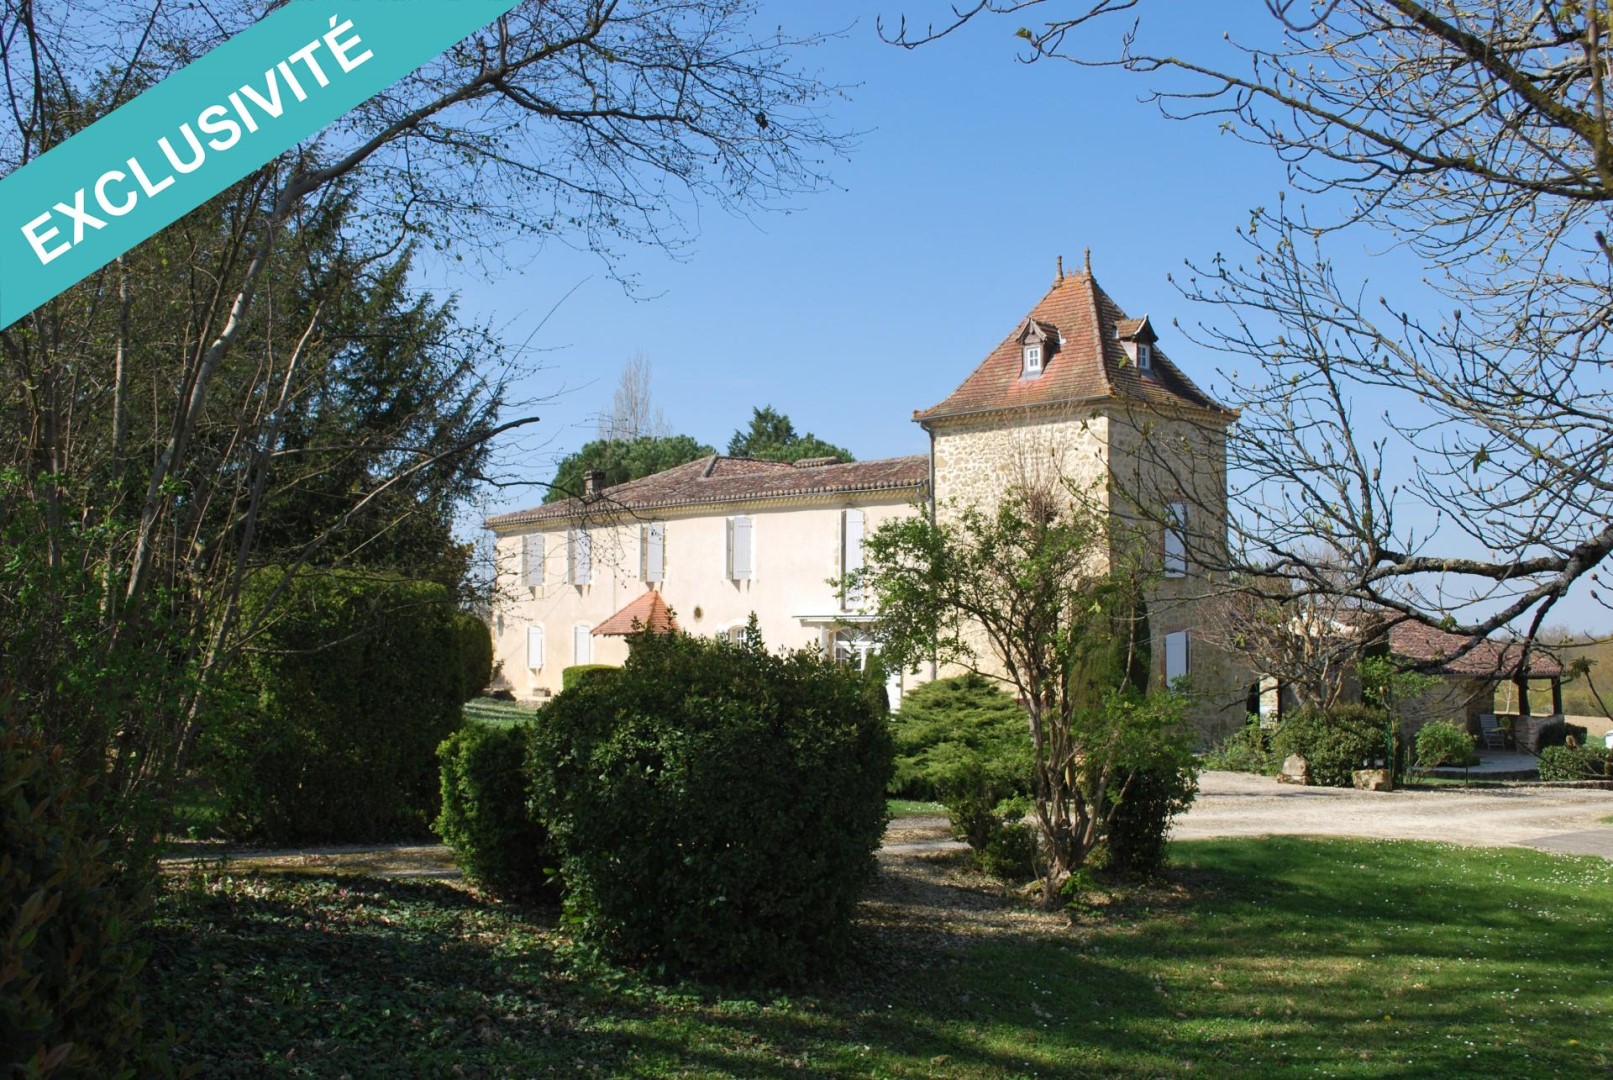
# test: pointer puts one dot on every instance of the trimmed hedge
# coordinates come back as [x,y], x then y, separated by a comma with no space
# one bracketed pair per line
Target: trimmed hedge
[716,807]
[69,926]
[487,814]
[1335,743]
[1583,763]
[341,705]
[474,643]
[576,673]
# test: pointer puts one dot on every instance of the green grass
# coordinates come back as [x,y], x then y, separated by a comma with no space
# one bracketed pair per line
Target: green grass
[1277,957]
[914,808]
[494,711]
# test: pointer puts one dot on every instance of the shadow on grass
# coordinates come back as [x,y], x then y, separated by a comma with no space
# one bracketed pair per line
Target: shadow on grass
[1262,957]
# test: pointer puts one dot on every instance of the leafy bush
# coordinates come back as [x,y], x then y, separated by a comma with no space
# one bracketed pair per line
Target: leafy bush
[69,925]
[1444,743]
[1583,763]
[487,815]
[574,674]
[989,816]
[340,708]
[716,808]
[474,643]
[1246,750]
[1135,842]
[1557,732]
[949,730]
[1335,743]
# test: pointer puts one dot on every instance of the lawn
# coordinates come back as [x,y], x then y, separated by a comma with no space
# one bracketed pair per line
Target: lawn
[914,808]
[1259,957]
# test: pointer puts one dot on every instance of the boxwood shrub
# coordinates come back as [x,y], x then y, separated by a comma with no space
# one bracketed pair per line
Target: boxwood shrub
[574,674]
[487,815]
[716,807]
[1335,743]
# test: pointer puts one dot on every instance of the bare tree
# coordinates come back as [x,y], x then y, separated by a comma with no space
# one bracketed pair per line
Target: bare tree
[585,122]
[633,413]
[1475,134]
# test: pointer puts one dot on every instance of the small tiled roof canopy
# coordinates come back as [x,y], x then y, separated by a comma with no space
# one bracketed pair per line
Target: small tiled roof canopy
[1089,362]
[1489,658]
[648,612]
[717,479]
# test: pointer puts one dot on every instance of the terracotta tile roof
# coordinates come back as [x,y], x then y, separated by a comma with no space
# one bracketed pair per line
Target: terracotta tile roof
[718,479]
[1090,364]
[648,612]
[1490,657]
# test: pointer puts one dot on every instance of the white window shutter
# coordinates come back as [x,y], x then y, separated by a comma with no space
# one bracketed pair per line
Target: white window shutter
[534,647]
[580,554]
[532,559]
[652,552]
[739,548]
[1175,539]
[851,554]
[1176,657]
[582,644]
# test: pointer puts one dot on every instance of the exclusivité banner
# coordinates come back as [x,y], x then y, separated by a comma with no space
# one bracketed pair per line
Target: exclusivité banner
[74,209]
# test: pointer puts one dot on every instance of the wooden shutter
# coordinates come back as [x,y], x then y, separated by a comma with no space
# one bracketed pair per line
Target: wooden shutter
[532,559]
[739,548]
[1176,656]
[534,647]
[1175,539]
[652,552]
[580,556]
[851,556]
[582,644]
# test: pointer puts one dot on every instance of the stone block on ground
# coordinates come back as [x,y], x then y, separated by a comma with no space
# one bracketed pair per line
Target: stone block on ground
[1296,770]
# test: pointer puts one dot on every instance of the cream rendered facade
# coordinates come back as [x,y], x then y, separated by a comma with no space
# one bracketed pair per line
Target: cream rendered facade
[796,555]
[1078,395]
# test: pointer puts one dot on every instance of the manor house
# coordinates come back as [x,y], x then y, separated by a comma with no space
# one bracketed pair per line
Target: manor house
[1077,391]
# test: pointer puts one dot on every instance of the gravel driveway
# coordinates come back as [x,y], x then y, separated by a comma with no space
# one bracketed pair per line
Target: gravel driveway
[1551,819]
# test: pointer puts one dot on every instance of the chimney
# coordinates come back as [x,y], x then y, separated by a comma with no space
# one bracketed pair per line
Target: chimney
[593,483]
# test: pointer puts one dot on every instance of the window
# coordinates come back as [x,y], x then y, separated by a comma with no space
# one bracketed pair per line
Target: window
[1177,662]
[1176,539]
[1145,356]
[532,559]
[1032,354]
[579,557]
[739,547]
[582,644]
[652,552]
[534,647]
[851,648]
[851,557]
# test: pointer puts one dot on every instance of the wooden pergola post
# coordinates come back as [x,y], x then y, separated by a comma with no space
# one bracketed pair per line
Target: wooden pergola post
[1557,695]
[1522,683]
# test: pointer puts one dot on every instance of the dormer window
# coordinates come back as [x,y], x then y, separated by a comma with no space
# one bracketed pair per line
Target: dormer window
[1137,337]
[1037,342]
[1033,360]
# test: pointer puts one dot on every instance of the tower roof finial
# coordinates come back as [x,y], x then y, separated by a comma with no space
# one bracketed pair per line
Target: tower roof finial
[1061,271]
[1089,262]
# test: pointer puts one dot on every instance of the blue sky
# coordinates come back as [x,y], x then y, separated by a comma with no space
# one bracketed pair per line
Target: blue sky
[859,305]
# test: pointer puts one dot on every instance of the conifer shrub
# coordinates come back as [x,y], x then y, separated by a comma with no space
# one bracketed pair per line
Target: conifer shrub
[1335,743]
[1248,749]
[715,807]
[338,710]
[487,816]
[1442,742]
[69,925]
[960,732]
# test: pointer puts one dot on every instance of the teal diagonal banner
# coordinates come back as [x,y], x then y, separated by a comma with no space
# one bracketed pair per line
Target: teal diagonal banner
[74,209]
